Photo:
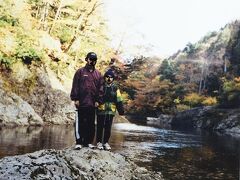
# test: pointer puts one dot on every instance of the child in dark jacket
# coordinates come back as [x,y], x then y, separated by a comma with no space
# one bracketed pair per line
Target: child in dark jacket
[112,102]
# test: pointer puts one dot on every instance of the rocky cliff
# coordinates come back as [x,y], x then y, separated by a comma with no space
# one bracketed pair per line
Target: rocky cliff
[33,99]
[226,121]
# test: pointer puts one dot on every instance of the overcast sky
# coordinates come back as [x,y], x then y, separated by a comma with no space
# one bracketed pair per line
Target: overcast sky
[166,25]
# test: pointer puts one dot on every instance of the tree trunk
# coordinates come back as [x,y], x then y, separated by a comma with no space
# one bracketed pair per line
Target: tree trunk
[43,13]
[201,80]
[56,16]
[75,33]
[81,24]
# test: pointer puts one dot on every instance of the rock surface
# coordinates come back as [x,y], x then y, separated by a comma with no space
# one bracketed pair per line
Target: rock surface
[72,164]
[15,111]
[211,118]
[36,101]
[53,105]
[162,120]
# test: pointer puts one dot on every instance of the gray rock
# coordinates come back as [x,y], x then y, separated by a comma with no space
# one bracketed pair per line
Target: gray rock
[162,120]
[44,96]
[15,111]
[212,118]
[53,105]
[72,164]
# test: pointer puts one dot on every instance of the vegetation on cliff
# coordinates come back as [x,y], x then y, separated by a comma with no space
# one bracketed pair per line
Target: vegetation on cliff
[42,45]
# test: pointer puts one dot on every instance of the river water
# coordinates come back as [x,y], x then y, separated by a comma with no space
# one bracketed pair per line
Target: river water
[177,154]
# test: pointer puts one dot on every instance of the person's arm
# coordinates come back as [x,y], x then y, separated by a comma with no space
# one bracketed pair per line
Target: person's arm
[99,99]
[119,103]
[75,89]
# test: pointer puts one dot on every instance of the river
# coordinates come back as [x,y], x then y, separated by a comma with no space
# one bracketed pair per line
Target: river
[177,154]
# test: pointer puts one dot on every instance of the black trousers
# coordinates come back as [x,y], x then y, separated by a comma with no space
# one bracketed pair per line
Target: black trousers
[85,125]
[104,125]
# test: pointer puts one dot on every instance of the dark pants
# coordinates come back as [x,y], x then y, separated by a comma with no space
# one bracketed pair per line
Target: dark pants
[85,126]
[104,125]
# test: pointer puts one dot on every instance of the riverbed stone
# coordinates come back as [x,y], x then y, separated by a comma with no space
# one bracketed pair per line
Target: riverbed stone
[72,164]
[163,120]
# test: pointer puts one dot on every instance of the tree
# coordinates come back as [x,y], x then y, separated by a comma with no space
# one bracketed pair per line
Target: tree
[190,49]
[83,22]
[166,71]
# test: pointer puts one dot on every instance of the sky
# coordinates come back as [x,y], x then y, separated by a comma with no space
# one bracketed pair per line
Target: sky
[162,27]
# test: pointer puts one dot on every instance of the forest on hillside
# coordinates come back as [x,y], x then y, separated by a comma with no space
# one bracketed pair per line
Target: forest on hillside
[55,36]
[206,73]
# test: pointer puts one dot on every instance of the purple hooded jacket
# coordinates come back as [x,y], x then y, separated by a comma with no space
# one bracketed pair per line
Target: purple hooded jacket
[87,87]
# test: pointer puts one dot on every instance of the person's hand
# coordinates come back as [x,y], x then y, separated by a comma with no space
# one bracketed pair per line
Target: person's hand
[96,104]
[76,103]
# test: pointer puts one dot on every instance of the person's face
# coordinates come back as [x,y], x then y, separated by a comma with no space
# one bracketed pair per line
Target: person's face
[91,61]
[108,79]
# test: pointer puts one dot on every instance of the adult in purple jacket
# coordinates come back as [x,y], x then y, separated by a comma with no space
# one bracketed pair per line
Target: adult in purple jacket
[87,93]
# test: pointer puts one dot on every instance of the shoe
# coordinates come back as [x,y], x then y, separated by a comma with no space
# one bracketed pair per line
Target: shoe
[107,146]
[78,146]
[91,146]
[99,146]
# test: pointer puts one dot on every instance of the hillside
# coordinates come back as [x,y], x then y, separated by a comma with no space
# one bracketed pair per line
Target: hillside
[212,65]
[43,43]
[204,73]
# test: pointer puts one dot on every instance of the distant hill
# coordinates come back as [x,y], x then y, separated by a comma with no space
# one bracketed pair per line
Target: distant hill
[202,73]
[218,51]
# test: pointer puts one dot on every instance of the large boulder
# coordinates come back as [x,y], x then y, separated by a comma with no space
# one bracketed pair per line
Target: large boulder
[72,164]
[39,88]
[15,111]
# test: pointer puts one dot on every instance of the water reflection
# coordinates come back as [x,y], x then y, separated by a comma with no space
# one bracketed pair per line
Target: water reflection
[182,155]
[177,154]
[21,140]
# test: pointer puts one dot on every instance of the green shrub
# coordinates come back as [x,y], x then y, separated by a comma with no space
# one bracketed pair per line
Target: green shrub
[6,61]
[28,55]
[230,96]
[64,34]
[8,20]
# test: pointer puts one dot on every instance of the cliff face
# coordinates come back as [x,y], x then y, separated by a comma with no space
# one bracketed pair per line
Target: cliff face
[72,164]
[37,100]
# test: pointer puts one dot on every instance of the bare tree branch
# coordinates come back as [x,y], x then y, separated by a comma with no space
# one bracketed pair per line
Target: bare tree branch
[83,24]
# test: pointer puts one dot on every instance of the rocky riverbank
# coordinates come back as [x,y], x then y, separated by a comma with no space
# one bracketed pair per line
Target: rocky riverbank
[211,118]
[72,164]
[226,121]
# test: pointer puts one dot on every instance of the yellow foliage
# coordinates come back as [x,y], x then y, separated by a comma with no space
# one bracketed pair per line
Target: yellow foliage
[193,99]
[182,107]
[125,96]
[237,79]
[177,101]
[209,101]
